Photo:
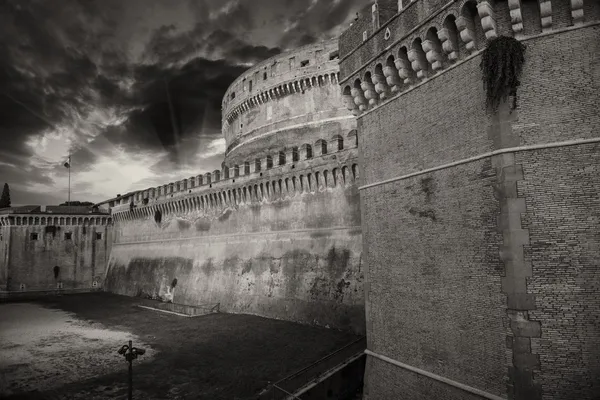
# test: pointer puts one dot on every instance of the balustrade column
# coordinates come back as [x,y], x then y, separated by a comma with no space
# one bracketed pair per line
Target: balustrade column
[577,11]
[392,78]
[416,63]
[359,98]
[447,45]
[432,54]
[467,33]
[381,87]
[516,18]
[369,92]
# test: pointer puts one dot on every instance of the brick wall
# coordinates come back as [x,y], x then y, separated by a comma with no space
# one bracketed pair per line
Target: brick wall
[434,275]
[391,381]
[562,192]
[354,52]
[444,248]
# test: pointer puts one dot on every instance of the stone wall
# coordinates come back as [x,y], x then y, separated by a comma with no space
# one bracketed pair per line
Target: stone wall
[29,261]
[434,299]
[285,245]
[482,272]
[4,253]
[561,188]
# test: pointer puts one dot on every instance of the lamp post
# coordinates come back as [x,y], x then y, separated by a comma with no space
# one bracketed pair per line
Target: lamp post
[130,354]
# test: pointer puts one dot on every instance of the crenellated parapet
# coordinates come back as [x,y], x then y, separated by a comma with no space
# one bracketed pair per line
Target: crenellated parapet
[282,89]
[403,54]
[317,174]
[292,98]
[63,220]
[278,161]
[53,216]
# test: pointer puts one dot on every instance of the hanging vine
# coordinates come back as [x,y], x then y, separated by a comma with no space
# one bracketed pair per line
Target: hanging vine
[501,66]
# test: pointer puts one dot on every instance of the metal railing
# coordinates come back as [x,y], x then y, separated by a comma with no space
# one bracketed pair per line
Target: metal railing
[284,388]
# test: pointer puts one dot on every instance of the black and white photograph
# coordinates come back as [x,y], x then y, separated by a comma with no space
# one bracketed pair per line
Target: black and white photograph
[300,199]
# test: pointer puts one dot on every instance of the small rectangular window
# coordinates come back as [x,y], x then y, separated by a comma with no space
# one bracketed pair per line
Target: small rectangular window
[292,62]
[269,112]
[34,236]
[304,63]
[249,86]
[98,235]
[365,36]
[68,235]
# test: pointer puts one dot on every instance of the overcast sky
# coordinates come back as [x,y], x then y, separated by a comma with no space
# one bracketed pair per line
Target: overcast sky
[89,76]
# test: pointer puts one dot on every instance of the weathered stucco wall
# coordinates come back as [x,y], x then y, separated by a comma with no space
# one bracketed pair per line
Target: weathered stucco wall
[4,246]
[284,252]
[82,258]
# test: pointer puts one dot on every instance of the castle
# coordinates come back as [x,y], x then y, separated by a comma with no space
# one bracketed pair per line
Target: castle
[367,187]
[480,228]
[276,232]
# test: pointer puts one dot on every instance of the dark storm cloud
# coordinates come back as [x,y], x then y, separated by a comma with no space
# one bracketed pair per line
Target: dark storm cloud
[67,68]
[318,19]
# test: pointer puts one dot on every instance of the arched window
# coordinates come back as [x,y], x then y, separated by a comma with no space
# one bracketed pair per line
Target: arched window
[246,168]
[338,142]
[309,153]
[257,165]
[295,156]
[281,158]
[269,162]
[321,147]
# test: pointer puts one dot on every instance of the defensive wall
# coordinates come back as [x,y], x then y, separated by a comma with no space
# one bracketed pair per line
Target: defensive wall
[34,240]
[275,232]
[480,228]
[288,99]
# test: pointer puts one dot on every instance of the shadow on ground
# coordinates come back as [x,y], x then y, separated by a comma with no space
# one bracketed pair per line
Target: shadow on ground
[216,356]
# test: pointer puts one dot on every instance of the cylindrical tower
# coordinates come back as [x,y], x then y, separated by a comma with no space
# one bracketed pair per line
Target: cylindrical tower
[287,101]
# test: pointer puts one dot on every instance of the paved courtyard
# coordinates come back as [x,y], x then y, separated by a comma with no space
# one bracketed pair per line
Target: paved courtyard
[66,348]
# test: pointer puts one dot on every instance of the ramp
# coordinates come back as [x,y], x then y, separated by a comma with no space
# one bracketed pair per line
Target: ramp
[338,375]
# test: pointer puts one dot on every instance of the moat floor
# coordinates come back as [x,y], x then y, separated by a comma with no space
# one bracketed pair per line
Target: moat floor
[66,348]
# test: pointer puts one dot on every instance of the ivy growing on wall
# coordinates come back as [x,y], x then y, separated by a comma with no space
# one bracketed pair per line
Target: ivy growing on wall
[501,66]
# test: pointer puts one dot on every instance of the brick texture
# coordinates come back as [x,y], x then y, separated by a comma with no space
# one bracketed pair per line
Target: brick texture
[444,291]
[562,192]
[434,275]
[393,382]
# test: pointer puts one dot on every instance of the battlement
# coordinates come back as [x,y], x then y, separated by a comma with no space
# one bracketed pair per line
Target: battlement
[291,98]
[45,215]
[304,175]
[275,162]
[428,37]
[28,219]
[264,78]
